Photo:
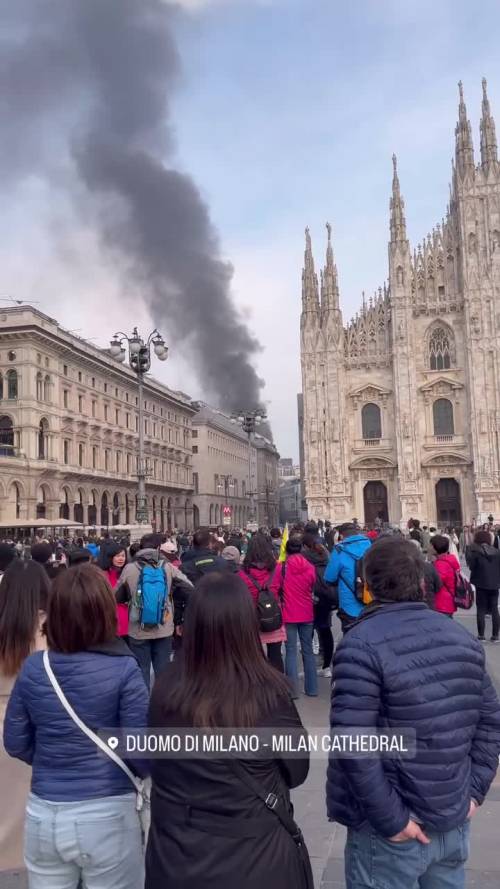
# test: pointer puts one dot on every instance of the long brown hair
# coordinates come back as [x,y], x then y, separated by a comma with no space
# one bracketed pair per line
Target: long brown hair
[23,595]
[81,611]
[223,678]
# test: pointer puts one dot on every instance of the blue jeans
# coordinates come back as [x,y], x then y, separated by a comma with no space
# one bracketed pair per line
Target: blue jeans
[98,841]
[372,861]
[151,653]
[305,633]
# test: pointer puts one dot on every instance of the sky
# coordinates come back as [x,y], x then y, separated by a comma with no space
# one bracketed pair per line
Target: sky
[286,114]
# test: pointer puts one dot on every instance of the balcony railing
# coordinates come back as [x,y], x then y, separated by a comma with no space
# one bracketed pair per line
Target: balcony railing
[443,439]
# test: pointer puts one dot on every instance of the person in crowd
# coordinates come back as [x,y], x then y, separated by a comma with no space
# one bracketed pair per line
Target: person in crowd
[81,818]
[7,555]
[23,602]
[258,571]
[446,566]
[484,563]
[408,818]
[432,584]
[112,560]
[201,559]
[209,827]
[276,538]
[232,557]
[426,539]
[454,541]
[329,536]
[323,594]
[93,548]
[170,552]
[42,554]
[341,570]
[182,542]
[77,556]
[236,539]
[417,537]
[152,644]
[294,584]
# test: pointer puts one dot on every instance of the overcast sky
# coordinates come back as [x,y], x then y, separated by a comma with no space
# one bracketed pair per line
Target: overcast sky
[287,114]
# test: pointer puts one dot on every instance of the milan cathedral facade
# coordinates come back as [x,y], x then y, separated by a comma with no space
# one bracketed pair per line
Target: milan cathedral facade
[402,405]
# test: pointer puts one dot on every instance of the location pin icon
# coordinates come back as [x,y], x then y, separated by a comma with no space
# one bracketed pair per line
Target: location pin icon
[113,743]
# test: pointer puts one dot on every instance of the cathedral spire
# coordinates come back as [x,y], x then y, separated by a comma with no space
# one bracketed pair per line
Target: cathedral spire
[330,288]
[398,221]
[488,134]
[464,148]
[310,294]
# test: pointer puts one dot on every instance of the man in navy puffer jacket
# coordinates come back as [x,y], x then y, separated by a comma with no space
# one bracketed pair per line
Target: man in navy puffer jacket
[403,666]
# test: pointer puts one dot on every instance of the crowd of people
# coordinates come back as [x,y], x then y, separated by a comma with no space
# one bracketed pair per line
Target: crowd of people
[204,631]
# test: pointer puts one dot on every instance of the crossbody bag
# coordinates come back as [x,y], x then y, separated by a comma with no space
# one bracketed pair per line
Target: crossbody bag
[142,790]
[275,804]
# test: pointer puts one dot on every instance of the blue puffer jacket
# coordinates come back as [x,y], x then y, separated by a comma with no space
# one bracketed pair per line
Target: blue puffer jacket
[340,570]
[403,666]
[106,691]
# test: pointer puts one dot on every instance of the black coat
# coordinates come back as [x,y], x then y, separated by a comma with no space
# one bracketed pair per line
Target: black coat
[208,830]
[324,593]
[484,563]
[195,563]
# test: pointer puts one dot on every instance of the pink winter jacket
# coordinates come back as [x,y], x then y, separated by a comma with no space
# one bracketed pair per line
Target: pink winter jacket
[446,566]
[300,579]
[263,576]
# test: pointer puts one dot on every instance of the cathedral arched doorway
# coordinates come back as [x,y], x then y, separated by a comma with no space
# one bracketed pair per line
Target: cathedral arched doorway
[375,502]
[448,502]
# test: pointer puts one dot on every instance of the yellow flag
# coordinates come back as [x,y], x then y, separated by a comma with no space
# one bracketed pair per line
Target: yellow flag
[282,555]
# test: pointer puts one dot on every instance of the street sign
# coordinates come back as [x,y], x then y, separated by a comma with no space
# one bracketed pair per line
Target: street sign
[226,515]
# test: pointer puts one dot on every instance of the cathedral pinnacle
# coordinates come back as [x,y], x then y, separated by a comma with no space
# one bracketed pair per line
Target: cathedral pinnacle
[310,295]
[330,290]
[398,221]
[464,148]
[488,134]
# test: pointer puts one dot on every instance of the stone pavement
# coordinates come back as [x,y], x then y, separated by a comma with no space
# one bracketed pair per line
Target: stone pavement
[326,841]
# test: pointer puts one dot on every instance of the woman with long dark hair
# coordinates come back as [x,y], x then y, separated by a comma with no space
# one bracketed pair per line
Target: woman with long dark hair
[81,816]
[259,568]
[210,827]
[23,601]
[112,560]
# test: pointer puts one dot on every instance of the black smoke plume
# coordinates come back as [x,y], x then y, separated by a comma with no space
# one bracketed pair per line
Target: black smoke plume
[85,103]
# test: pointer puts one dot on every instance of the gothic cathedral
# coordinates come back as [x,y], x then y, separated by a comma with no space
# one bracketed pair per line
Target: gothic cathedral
[402,405]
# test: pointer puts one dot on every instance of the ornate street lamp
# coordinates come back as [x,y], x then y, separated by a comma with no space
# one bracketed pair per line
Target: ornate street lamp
[249,420]
[139,352]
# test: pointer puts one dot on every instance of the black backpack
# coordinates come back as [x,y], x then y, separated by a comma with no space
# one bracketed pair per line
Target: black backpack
[359,577]
[268,608]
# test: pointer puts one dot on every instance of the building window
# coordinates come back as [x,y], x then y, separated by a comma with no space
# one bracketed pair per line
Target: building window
[195,482]
[371,421]
[79,376]
[137,424]
[129,464]
[118,461]
[80,404]
[94,403]
[106,459]
[194,433]
[195,449]
[127,421]
[47,362]
[116,392]
[65,370]
[117,417]
[442,410]
[66,451]
[12,384]
[105,387]
[6,437]
[39,387]
[106,412]
[441,291]
[43,430]
[126,397]
[65,397]
[80,454]
[94,457]
[439,349]
[93,382]
[46,389]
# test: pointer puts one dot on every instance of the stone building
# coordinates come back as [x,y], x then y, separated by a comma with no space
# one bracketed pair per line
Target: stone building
[226,471]
[401,406]
[69,432]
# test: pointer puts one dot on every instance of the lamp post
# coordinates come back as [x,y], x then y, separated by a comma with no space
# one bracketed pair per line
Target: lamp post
[249,420]
[267,493]
[139,352]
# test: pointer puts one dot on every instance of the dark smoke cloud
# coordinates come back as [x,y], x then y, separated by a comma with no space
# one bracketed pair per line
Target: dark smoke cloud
[85,92]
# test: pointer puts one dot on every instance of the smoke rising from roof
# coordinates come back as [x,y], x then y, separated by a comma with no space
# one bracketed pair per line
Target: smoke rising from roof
[85,92]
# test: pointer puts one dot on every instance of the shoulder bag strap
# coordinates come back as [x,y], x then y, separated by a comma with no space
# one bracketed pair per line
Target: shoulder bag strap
[85,729]
[271,800]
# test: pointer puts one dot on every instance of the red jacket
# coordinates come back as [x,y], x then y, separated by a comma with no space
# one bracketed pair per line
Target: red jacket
[300,579]
[446,566]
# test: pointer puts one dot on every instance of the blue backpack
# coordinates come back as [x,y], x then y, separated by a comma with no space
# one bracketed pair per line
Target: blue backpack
[152,596]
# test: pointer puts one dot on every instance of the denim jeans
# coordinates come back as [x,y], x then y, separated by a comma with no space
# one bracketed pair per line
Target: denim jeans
[98,841]
[305,633]
[151,653]
[372,861]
